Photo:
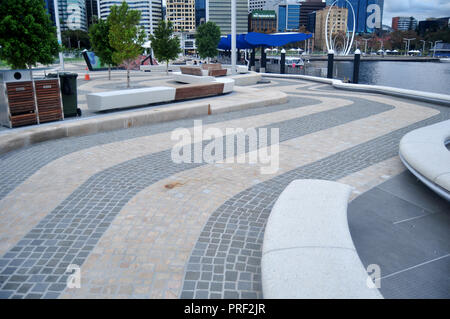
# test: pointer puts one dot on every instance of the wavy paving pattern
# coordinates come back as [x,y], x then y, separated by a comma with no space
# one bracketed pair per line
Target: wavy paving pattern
[225,262]
[69,233]
[226,257]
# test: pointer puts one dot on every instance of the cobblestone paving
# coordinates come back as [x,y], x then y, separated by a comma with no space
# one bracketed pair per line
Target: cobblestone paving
[225,260]
[18,165]
[66,235]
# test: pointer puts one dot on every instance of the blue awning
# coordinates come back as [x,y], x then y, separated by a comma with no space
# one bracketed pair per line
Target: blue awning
[253,39]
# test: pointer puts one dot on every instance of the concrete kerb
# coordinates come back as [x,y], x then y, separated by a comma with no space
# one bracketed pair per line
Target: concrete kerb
[442,99]
[22,137]
[27,136]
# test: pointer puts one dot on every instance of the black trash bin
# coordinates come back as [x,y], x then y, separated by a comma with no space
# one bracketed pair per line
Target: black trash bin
[68,84]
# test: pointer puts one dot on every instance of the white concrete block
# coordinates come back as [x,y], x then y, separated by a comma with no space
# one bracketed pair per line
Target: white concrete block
[309,213]
[192,79]
[228,84]
[129,98]
[315,273]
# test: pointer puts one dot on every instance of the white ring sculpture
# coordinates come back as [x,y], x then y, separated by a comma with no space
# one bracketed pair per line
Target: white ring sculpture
[329,42]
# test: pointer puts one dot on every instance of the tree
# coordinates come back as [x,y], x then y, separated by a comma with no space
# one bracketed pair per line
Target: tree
[165,46]
[27,36]
[70,39]
[207,39]
[99,36]
[126,36]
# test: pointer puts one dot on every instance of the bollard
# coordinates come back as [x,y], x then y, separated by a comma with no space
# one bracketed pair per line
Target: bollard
[330,64]
[356,63]
[252,60]
[283,62]
[262,69]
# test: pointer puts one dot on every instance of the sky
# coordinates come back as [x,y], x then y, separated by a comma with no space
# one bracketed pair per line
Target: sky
[419,9]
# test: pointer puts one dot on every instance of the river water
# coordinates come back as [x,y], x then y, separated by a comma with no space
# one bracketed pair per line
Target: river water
[421,76]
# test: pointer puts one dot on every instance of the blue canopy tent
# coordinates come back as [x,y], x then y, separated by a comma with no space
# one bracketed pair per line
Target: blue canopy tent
[252,40]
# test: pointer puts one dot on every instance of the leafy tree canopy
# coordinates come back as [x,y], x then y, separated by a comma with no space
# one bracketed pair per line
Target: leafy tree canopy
[126,36]
[27,36]
[99,36]
[207,39]
[165,46]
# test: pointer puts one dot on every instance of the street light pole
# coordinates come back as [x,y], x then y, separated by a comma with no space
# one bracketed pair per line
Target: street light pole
[58,33]
[365,45]
[409,40]
[436,42]
[423,49]
[233,37]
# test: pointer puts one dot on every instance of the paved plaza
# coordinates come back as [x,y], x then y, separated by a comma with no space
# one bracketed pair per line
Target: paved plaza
[141,226]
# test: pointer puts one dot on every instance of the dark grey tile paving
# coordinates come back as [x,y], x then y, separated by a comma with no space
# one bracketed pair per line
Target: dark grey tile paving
[408,187]
[401,236]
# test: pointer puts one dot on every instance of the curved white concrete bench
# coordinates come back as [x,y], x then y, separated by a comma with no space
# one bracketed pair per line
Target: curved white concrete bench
[424,153]
[308,251]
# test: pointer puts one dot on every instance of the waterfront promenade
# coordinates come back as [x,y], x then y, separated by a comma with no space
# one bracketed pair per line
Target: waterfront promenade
[141,226]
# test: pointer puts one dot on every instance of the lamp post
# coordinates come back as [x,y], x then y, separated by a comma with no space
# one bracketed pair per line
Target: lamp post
[58,32]
[423,49]
[409,41]
[434,50]
[365,45]
[233,37]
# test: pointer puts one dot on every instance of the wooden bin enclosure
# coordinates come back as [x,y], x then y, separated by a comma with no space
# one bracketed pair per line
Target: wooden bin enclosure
[48,100]
[24,102]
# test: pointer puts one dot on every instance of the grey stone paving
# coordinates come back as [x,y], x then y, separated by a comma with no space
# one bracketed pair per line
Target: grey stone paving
[225,262]
[35,266]
[17,166]
[414,251]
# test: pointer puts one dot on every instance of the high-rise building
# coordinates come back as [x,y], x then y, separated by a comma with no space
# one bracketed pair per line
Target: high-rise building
[219,11]
[262,21]
[368,14]
[200,12]
[404,23]
[182,14]
[308,6]
[337,26]
[288,16]
[433,25]
[72,14]
[256,5]
[50,8]
[92,11]
[151,11]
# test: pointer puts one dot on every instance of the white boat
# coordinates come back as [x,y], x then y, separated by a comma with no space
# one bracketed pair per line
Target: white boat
[445,60]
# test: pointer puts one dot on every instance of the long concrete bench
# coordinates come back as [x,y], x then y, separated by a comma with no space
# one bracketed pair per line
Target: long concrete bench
[424,153]
[308,251]
[129,98]
[138,97]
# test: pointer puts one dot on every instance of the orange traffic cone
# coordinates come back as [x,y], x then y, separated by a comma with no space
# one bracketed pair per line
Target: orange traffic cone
[86,76]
